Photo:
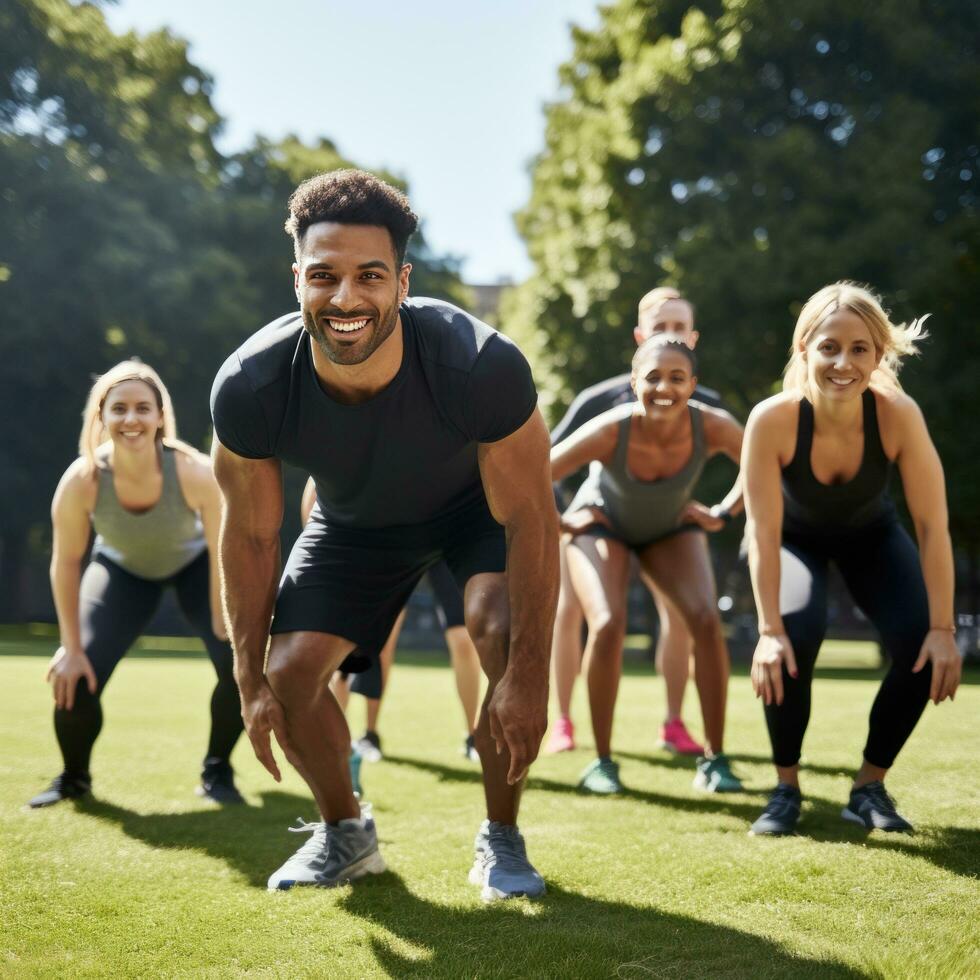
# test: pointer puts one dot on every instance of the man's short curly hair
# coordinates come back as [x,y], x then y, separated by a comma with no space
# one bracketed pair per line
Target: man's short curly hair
[351,197]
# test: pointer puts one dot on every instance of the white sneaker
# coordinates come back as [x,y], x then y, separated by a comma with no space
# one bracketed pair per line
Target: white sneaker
[334,855]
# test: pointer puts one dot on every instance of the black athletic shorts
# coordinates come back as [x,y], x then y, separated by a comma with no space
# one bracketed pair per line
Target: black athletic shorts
[601,531]
[448,596]
[353,582]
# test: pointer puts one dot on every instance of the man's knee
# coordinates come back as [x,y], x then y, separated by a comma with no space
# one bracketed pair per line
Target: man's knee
[300,664]
[488,622]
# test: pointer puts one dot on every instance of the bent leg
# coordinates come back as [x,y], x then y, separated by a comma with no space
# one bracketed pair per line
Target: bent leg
[298,671]
[681,567]
[487,608]
[566,646]
[387,658]
[599,571]
[466,670]
[884,575]
[803,609]
[193,596]
[675,647]
[114,608]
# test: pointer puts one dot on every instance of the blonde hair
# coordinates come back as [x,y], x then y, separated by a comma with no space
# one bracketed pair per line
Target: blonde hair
[892,341]
[94,433]
[658,296]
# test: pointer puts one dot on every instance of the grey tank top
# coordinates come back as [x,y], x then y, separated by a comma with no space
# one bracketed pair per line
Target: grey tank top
[641,511]
[155,544]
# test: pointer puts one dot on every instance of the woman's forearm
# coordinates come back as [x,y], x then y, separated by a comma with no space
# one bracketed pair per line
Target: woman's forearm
[936,556]
[66,577]
[764,567]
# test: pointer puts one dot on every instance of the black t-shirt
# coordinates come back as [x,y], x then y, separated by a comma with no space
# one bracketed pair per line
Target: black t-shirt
[403,456]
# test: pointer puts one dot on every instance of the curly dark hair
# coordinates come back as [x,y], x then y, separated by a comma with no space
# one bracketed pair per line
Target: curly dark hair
[662,341]
[351,197]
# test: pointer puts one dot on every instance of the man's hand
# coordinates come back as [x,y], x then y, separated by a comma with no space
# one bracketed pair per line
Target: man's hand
[263,714]
[518,720]
[65,671]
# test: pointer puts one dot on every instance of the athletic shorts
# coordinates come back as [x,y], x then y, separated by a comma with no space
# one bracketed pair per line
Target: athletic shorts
[601,531]
[353,582]
[448,596]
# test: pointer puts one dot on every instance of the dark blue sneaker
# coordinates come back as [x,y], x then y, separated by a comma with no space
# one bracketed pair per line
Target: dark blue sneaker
[781,813]
[873,808]
[63,787]
[501,866]
[218,782]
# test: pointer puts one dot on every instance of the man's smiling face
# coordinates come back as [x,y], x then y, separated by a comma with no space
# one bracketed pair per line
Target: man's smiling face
[349,285]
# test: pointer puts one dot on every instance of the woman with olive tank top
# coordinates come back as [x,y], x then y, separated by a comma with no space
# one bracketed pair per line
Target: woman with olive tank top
[646,459]
[816,466]
[154,506]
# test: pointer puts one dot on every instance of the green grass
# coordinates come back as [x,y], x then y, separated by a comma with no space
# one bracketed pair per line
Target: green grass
[148,880]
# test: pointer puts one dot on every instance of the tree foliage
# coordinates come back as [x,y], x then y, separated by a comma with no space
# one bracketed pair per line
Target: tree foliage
[124,231]
[749,152]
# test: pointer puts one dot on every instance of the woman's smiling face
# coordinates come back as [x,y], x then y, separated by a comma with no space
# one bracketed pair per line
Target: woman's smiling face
[840,356]
[664,381]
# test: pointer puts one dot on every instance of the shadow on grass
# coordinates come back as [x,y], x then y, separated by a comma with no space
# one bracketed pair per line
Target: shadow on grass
[252,840]
[665,761]
[561,935]
[956,849]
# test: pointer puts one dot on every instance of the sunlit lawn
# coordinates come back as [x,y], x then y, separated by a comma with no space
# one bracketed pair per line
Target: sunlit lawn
[148,880]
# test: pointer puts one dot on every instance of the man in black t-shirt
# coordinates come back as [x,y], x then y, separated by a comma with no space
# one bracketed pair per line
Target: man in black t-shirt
[420,428]
[662,310]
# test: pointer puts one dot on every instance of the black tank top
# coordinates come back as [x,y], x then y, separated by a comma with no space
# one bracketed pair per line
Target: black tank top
[863,502]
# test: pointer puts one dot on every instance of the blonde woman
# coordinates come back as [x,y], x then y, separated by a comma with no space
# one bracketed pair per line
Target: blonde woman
[816,466]
[155,509]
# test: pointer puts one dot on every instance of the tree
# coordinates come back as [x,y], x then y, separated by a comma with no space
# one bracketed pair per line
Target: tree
[749,152]
[123,231]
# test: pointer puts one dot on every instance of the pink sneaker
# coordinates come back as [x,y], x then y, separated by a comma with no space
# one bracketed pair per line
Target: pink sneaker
[674,737]
[562,737]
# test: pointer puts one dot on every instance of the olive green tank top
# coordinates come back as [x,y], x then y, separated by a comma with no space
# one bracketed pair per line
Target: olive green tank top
[642,511]
[156,543]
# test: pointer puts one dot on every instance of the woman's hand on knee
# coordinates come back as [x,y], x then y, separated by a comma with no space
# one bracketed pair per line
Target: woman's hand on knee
[939,648]
[67,667]
[771,653]
[574,522]
[695,512]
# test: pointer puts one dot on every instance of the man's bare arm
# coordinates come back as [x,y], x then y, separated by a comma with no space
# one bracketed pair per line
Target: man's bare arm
[517,480]
[248,546]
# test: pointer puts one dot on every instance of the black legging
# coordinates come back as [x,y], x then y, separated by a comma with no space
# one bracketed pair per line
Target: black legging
[881,569]
[114,608]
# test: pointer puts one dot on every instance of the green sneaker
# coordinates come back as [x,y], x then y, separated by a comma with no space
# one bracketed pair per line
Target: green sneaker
[601,776]
[716,776]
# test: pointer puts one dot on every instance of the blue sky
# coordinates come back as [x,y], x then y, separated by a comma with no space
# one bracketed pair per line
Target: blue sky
[449,95]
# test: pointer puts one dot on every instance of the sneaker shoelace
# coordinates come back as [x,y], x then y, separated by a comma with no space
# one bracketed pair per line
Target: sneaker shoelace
[878,795]
[314,851]
[782,801]
[609,769]
[506,851]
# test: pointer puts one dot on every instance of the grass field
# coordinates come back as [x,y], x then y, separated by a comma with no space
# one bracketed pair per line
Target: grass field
[148,880]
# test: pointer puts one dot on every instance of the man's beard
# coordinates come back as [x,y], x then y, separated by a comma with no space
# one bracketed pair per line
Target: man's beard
[339,352]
